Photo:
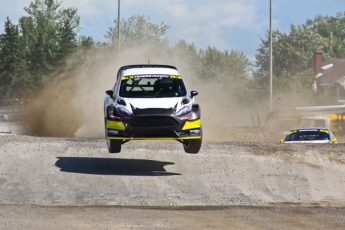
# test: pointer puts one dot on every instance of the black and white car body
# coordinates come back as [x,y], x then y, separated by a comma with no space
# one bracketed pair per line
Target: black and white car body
[151,102]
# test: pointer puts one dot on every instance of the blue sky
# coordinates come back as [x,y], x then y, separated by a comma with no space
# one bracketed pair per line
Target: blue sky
[224,24]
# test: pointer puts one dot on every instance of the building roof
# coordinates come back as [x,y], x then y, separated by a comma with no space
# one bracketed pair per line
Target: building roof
[332,70]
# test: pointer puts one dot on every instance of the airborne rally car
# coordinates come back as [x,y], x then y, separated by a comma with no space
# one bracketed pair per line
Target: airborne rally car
[151,102]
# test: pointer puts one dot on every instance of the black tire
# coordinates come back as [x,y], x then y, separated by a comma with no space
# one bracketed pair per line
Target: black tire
[192,146]
[105,128]
[114,146]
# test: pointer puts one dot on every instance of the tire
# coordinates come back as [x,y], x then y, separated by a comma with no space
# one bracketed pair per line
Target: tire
[114,146]
[192,146]
[105,128]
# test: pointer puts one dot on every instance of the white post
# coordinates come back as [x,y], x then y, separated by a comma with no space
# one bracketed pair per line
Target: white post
[118,25]
[270,67]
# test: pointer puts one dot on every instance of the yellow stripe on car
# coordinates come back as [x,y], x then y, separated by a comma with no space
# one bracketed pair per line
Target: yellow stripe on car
[115,125]
[175,77]
[192,125]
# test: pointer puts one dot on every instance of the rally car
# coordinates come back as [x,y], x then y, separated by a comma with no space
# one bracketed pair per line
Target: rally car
[310,135]
[151,102]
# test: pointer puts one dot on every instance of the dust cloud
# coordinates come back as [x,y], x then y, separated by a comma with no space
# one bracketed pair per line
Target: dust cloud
[72,105]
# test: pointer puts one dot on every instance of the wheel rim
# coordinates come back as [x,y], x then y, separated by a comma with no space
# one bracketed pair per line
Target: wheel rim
[187,144]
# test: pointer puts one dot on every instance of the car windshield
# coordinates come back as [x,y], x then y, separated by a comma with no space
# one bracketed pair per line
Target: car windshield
[307,135]
[141,86]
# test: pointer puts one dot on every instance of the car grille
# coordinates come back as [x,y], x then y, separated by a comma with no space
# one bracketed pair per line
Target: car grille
[154,122]
[154,111]
[154,133]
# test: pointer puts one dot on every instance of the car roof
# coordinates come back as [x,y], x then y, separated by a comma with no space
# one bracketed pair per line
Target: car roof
[148,69]
[311,129]
[139,71]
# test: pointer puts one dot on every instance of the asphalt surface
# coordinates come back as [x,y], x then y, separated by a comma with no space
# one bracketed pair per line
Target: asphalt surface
[71,183]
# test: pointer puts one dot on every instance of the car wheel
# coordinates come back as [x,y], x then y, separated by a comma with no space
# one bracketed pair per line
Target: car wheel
[105,128]
[114,146]
[192,146]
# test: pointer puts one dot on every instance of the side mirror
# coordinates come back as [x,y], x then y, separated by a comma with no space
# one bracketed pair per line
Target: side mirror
[110,93]
[281,141]
[121,102]
[193,93]
[334,140]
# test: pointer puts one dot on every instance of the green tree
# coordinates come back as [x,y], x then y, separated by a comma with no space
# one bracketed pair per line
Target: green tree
[137,31]
[333,28]
[291,53]
[230,69]
[49,34]
[13,73]
[224,66]
[188,55]
[68,32]
[86,42]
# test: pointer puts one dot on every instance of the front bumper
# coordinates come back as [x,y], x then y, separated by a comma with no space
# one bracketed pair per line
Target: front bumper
[154,128]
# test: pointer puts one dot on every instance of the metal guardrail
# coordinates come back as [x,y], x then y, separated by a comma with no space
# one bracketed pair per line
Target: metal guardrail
[315,110]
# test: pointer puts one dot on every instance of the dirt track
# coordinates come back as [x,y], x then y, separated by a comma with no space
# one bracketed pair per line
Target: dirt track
[74,183]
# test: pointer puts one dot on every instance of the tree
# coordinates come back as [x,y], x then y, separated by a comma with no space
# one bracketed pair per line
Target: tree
[224,66]
[292,53]
[188,56]
[49,34]
[333,28]
[86,42]
[13,73]
[230,70]
[68,32]
[137,31]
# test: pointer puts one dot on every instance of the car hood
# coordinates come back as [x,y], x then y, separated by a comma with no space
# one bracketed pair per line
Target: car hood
[144,103]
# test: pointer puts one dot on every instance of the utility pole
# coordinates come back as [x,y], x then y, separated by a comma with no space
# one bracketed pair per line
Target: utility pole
[118,26]
[270,65]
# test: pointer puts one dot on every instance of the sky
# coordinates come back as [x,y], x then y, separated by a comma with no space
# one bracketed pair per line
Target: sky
[223,24]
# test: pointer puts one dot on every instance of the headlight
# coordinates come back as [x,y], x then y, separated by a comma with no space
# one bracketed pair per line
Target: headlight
[184,110]
[110,111]
[123,111]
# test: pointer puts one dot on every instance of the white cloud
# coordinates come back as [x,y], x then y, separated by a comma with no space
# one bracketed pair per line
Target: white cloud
[203,22]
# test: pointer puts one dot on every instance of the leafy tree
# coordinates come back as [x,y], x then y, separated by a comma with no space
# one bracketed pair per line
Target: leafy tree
[49,34]
[86,42]
[230,69]
[291,53]
[137,31]
[333,28]
[13,74]
[68,32]
[188,55]
[224,66]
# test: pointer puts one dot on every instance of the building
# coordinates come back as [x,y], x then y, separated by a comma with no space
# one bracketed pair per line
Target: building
[328,82]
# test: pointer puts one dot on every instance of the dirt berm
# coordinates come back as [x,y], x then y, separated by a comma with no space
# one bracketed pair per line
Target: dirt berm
[71,183]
